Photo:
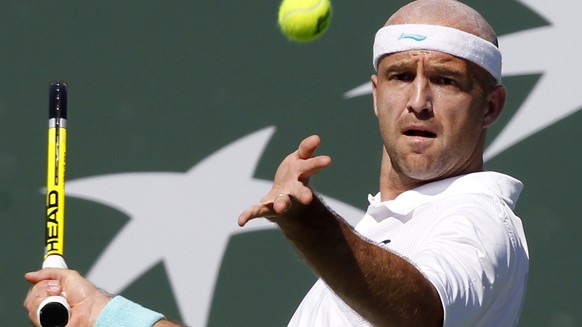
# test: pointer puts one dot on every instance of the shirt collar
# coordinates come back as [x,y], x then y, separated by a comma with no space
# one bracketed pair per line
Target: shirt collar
[503,186]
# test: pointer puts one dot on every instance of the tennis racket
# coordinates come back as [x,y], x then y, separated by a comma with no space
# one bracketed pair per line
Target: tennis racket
[54,311]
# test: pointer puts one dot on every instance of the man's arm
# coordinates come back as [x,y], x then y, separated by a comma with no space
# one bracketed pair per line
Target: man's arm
[381,286]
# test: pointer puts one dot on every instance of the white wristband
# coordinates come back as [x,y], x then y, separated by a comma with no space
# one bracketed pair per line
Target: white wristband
[121,312]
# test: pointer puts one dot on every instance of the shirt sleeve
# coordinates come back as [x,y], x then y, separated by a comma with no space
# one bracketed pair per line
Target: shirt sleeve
[465,255]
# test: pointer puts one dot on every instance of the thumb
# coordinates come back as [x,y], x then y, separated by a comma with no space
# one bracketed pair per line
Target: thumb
[54,287]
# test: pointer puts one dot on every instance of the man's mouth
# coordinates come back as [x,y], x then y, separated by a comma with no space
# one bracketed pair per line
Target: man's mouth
[419,133]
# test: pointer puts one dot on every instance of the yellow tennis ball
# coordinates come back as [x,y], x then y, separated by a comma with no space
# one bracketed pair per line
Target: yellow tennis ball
[304,20]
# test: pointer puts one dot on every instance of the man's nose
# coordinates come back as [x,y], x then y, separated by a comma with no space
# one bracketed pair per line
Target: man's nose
[420,97]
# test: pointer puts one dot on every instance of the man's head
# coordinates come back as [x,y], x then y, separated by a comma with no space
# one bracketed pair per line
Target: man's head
[444,13]
[436,90]
[450,26]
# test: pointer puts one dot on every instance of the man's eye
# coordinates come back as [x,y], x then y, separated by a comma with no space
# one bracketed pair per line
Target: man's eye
[403,77]
[444,81]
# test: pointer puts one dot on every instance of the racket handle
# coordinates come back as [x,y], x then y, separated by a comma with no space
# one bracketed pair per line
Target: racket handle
[54,311]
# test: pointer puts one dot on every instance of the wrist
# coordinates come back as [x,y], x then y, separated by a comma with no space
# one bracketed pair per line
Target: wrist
[101,299]
[305,220]
[122,312]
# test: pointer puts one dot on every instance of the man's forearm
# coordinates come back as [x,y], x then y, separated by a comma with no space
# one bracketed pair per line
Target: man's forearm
[381,286]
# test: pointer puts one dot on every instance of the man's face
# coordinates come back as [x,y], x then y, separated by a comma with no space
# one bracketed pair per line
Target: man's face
[432,114]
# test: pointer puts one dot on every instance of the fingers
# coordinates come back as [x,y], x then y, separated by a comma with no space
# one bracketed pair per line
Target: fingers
[256,211]
[37,294]
[290,186]
[85,299]
[33,277]
[70,282]
[267,208]
[44,289]
[281,203]
[47,282]
[47,273]
[311,167]
[308,146]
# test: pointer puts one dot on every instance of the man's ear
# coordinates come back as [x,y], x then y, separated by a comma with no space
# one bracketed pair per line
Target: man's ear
[495,105]
[374,79]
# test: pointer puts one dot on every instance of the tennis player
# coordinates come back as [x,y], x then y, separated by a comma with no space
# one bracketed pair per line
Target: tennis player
[440,244]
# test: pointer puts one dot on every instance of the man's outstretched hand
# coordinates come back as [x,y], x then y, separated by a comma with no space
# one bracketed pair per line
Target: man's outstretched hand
[290,189]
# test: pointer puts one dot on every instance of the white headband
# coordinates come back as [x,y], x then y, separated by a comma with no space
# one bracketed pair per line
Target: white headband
[397,38]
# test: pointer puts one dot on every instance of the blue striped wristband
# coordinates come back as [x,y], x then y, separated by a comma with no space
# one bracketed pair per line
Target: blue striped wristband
[121,312]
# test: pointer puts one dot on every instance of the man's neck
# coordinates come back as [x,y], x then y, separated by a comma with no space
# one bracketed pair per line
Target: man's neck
[393,183]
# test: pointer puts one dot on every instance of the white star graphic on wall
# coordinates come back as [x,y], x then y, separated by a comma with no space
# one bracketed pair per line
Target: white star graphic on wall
[184,220]
[552,51]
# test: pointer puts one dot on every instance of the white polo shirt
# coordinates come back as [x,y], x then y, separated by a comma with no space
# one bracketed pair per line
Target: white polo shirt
[462,234]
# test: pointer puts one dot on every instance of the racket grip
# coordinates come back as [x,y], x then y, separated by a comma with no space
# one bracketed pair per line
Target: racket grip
[54,311]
